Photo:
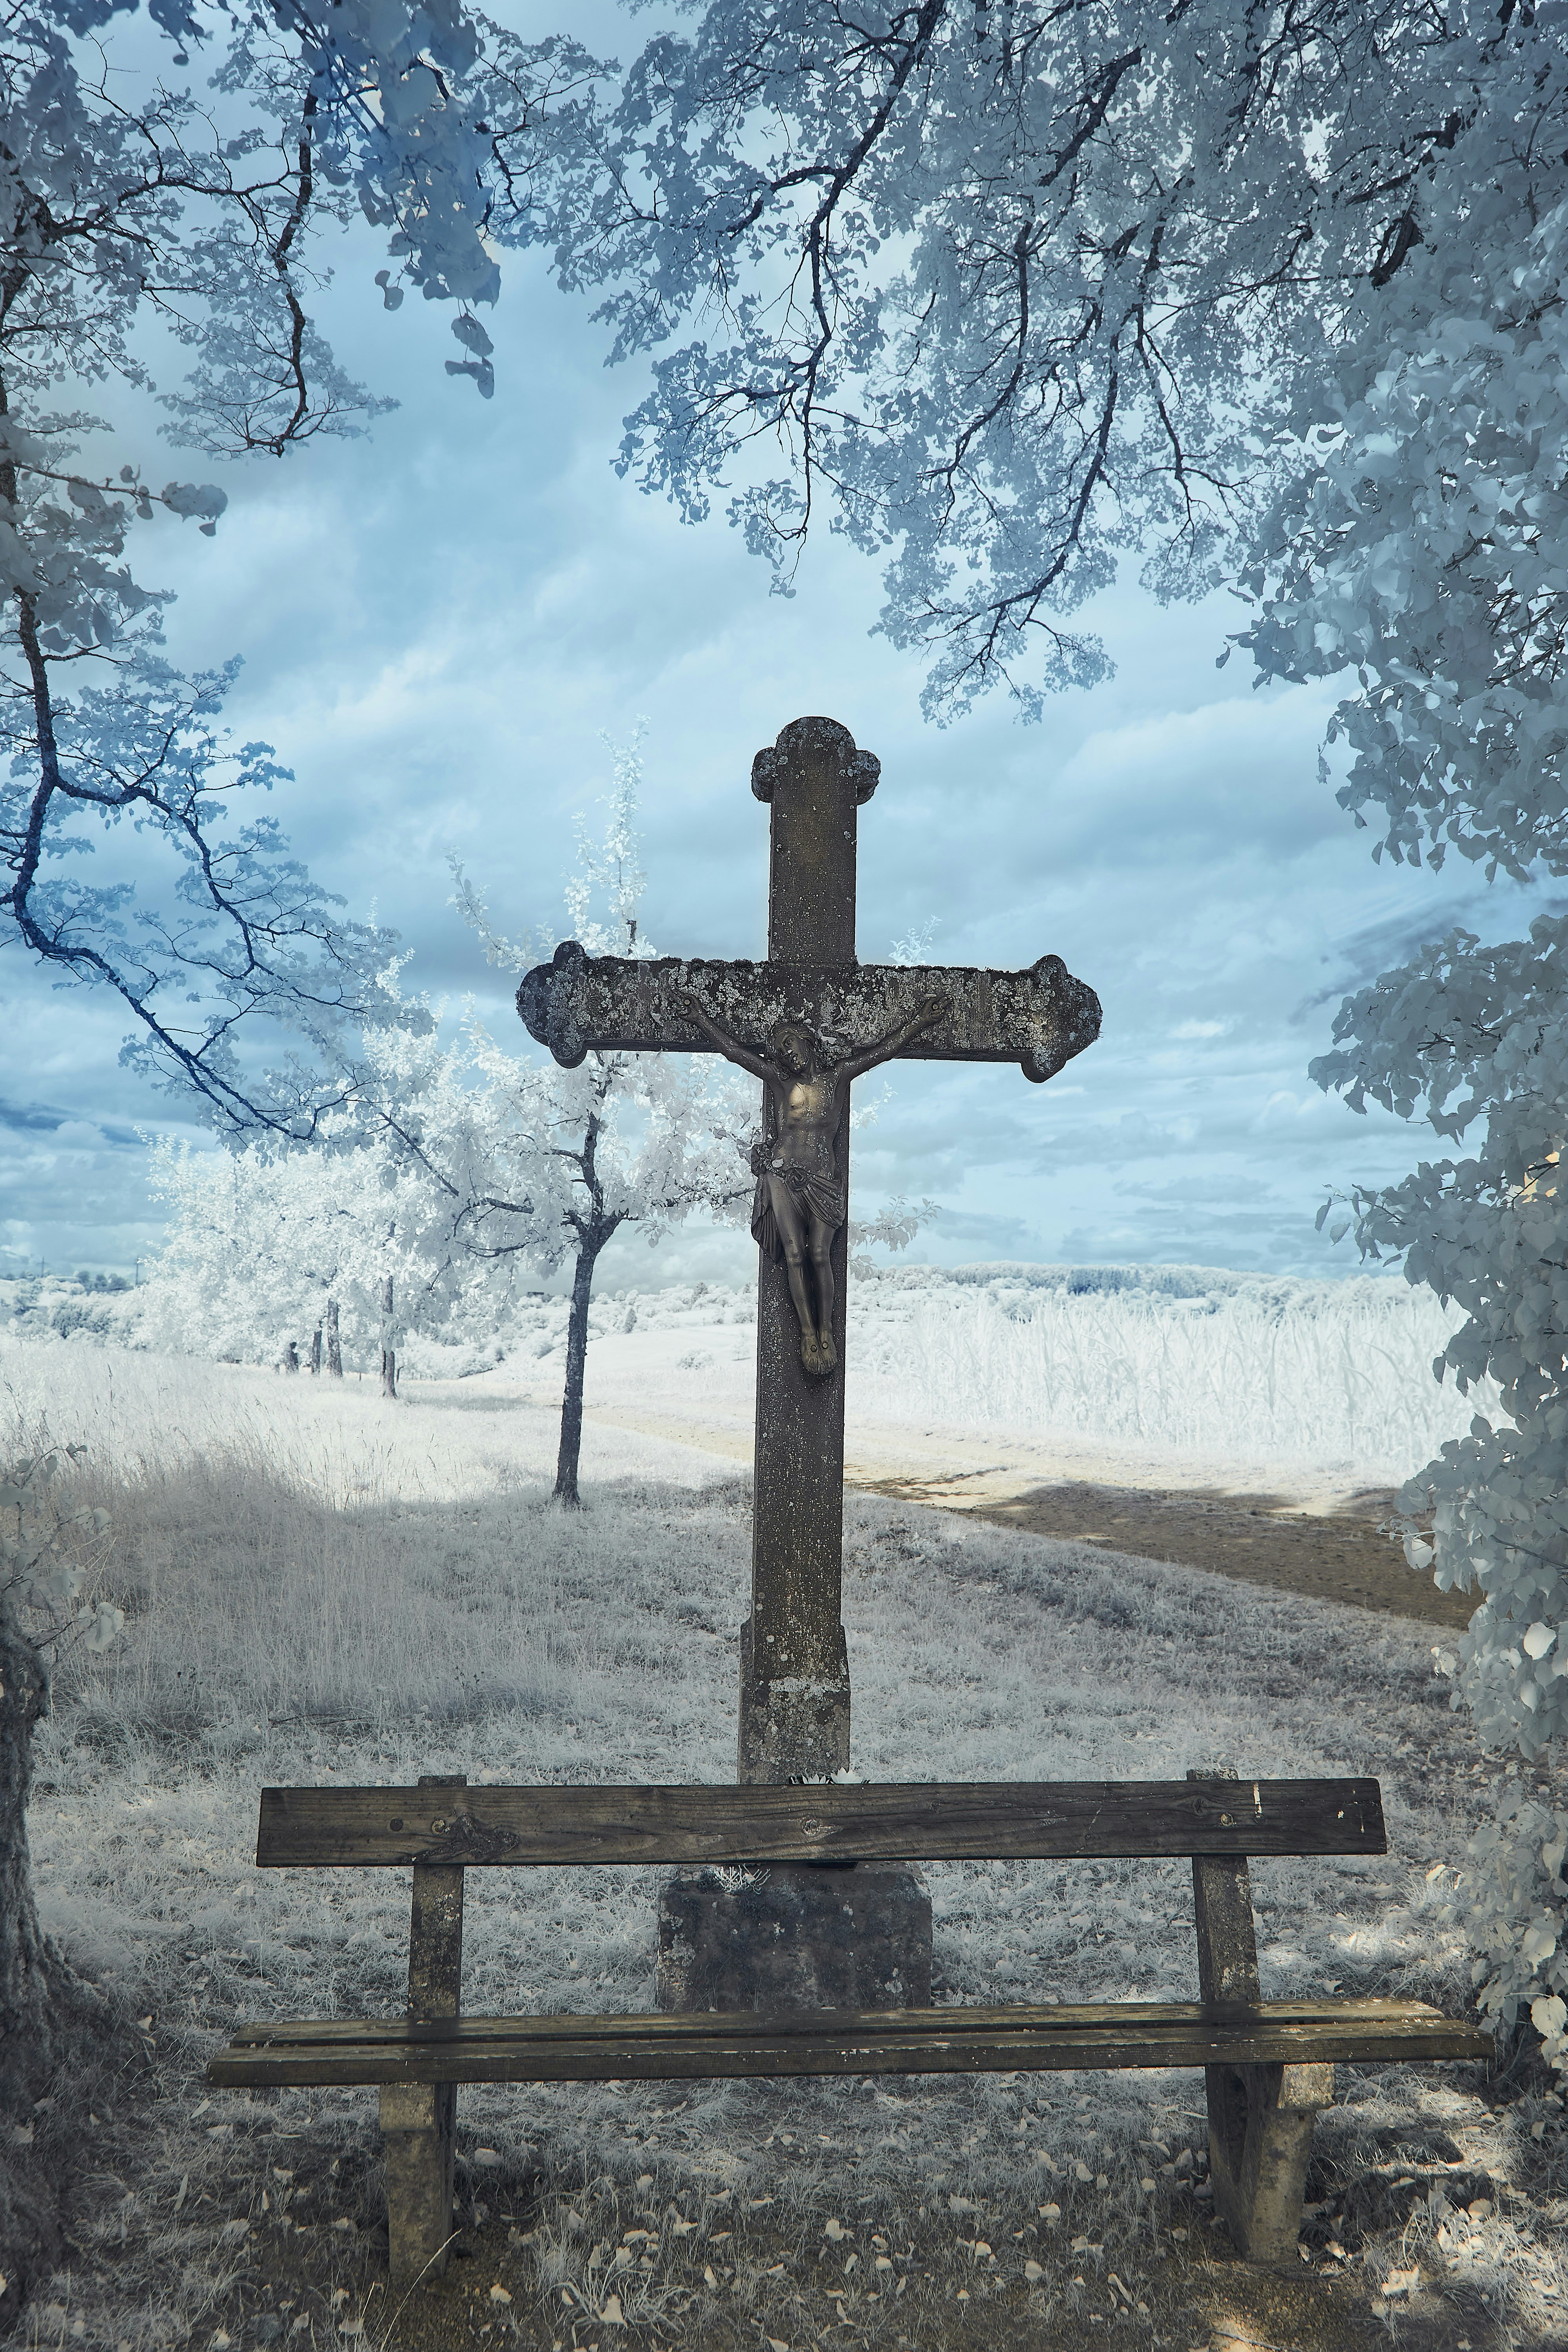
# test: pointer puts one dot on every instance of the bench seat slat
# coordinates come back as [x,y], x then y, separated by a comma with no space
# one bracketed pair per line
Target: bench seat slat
[693,2026]
[918,2042]
[894,1821]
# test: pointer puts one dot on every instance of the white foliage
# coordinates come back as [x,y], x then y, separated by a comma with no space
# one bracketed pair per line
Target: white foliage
[1013,293]
[1320,1371]
[1423,545]
[1512,1902]
[143,196]
[459,1172]
[43,1576]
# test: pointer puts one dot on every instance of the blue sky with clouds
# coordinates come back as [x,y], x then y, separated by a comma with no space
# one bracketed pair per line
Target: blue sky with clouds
[439,620]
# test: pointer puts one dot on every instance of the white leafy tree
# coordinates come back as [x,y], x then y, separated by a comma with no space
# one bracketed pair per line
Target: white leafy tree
[145,195]
[1426,541]
[180,184]
[625,1138]
[295,1257]
[455,1172]
[985,283]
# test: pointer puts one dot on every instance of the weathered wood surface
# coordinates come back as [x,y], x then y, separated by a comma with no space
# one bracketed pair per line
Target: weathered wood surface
[877,2041]
[1039,1017]
[418,2120]
[1222,1912]
[435,1924]
[897,1820]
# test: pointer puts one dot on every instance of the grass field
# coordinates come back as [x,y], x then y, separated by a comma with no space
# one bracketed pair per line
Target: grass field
[1180,1358]
[320,1587]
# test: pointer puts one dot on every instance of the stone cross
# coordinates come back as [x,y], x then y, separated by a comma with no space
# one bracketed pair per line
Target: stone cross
[807,1021]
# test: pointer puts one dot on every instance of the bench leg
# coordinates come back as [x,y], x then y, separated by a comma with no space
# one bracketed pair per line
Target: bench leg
[1260,2136]
[416,2122]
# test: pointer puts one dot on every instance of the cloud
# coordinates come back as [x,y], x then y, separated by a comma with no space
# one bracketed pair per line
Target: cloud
[438,622]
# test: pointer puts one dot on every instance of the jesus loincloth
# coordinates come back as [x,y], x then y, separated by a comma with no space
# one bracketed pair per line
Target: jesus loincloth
[827,1196]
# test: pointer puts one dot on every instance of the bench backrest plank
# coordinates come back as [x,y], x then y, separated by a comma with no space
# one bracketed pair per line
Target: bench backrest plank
[932,1820]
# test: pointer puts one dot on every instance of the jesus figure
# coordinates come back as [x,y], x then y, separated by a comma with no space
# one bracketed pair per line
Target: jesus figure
[801,1199]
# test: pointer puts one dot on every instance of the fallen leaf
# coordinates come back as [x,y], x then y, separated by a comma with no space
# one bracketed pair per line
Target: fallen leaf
[499,2294]
[611,2314]
[1032,2271]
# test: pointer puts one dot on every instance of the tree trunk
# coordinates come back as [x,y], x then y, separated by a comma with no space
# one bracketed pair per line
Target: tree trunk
[316,1350]
[291,1358]
[388,1354]
[334,1347]
[47,2013]
[576,1360]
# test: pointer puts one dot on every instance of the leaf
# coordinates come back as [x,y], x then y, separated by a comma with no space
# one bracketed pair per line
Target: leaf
[106,1627]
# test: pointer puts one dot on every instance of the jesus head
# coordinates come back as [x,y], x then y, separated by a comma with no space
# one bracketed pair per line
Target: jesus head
[794,1050]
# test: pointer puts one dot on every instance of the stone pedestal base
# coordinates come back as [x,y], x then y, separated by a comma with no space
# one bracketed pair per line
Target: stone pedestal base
[794,1936]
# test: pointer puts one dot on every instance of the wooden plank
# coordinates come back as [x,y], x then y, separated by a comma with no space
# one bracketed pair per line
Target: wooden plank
[435,1925]
[915,1821]
[1222,1911]
[418,2120]
[699,2025]
[497,2050]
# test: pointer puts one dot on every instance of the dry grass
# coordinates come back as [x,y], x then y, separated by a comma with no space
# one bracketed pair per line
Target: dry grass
[322,1588]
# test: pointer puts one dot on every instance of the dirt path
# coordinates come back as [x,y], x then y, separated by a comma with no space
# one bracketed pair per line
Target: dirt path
[1291,1526]
[1345,1555]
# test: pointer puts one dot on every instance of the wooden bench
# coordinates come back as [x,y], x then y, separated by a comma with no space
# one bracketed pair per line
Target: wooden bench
[1270,2064]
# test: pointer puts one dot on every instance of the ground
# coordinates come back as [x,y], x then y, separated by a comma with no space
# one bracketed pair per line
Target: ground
[322,1588]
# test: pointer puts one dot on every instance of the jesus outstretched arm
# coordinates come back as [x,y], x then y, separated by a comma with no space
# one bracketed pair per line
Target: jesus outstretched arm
[926,1015]
[731,1047]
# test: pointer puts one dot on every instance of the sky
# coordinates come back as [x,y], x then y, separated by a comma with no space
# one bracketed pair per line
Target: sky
[442,621]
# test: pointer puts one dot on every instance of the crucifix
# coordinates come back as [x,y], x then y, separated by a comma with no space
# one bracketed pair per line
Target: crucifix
[806,1021]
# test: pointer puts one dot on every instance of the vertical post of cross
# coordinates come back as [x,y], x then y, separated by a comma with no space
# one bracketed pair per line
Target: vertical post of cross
[794,1672]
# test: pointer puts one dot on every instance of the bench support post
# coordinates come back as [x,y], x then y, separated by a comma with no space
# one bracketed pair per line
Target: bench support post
[1260,2140]
[418,2119]
[1260,2117]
